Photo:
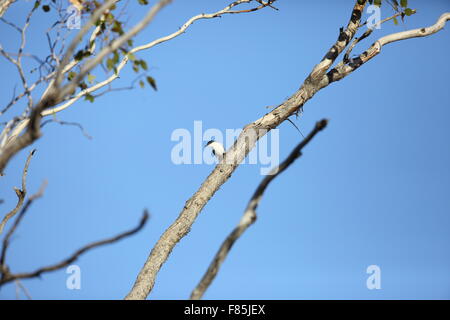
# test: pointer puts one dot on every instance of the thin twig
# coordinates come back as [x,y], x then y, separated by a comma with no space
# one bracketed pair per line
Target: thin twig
[249,216]
[366,34]
[68,123]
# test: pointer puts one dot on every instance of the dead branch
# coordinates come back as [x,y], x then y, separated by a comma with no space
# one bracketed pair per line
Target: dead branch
[21,193]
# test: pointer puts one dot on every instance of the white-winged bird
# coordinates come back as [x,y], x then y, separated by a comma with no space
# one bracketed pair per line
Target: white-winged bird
[217,149]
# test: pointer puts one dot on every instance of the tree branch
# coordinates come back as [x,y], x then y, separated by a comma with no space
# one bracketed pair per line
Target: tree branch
[125,59]
[250,216]
[3,268]
[234,156]
[7,276]
[367,34]
[21,194]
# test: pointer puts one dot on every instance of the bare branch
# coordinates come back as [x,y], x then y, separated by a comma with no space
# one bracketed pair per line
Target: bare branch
[7,276]
[21,194]
[114,45]
[3,268]
[14,26]
[250,216]
[18,62]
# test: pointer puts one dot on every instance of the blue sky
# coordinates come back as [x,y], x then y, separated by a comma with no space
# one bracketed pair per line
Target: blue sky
[373,188]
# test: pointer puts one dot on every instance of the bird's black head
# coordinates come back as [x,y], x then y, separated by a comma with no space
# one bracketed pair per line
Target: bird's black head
[209,142]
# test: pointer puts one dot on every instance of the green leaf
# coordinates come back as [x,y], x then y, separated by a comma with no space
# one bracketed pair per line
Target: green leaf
[46,8]
[143,2]
[403,3]
[132,57]
[152,82]
[409,11]
[395,21]
[90,78]
[141,84]
[377,3]
[89,97]
[36,4]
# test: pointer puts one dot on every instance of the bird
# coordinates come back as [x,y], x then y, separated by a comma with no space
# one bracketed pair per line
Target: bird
[217,149]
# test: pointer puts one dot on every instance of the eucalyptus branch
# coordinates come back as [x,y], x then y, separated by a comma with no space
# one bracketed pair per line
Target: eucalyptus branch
[67,123]
[315,81]
[249,216]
